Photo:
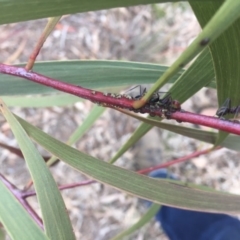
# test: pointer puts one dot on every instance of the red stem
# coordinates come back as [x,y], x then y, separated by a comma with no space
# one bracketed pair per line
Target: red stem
[94,96]
[208,121]
[111,100]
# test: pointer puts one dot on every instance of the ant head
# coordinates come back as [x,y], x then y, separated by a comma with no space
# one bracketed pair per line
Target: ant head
[154,98]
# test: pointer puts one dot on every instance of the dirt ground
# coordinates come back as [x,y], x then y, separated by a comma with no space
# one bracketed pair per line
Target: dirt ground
[157,34]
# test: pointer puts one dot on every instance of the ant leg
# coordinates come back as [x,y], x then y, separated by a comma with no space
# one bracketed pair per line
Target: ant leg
[142,92]
[133,88]
[236,111]
[224,109]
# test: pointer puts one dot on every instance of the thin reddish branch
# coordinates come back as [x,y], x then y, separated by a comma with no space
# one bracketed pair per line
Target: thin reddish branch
[34,54]
[121,101]
[28,185]
[94,96]
[48,29]
[63,187]
[143,171]
[18,195]
[73,185]
[17,151]
[179,160]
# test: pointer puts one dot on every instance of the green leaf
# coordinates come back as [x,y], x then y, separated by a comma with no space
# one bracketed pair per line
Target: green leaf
[2,234]
[226,15]
[144,219]
[23,10]
[56,221]
[15,218]
[201,72]
[198,75]
[41,101]
[94,75]
[95,113]
[140,132]
[232,142]
[198,134]
[161,191]
[225,53]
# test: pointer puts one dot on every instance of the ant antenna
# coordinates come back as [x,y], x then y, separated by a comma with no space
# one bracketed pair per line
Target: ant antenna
[142,92]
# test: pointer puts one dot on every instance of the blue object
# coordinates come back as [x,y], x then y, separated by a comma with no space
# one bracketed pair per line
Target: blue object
[181,224]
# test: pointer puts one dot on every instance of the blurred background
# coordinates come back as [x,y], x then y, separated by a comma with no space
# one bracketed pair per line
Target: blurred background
[151,33]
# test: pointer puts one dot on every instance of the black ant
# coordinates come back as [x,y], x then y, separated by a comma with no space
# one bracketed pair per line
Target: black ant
[166,102]
[227,109]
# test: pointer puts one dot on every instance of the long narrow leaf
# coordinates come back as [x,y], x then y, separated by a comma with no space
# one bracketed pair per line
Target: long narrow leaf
[94,75]
[232,141]
[23,10]
[225,52]
[141,131]
[225,16]
[182,91]
[161,191]
[55,218]
[41,101]
[95,113]
[198,75]
[14,218]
